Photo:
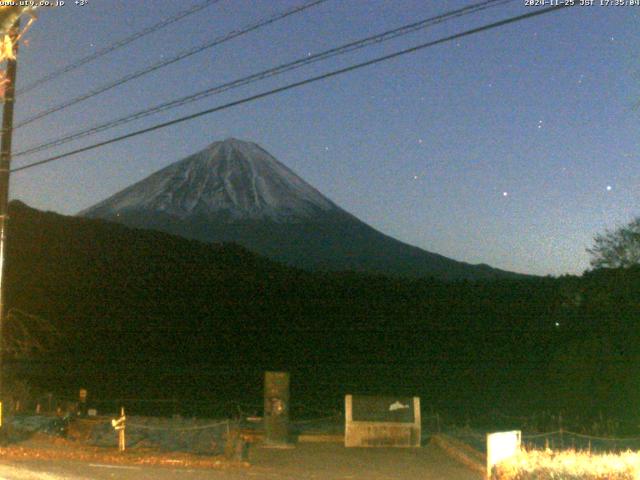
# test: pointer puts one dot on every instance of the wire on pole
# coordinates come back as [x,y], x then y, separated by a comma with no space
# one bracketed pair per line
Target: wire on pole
[278,70]
[294,85]
[164,63]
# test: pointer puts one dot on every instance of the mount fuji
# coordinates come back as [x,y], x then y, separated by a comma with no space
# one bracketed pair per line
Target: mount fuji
[235,191]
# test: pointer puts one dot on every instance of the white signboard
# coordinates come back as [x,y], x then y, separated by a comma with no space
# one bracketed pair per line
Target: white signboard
[501,446]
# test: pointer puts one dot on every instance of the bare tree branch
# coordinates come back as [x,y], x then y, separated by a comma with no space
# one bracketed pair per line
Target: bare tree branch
[619,248]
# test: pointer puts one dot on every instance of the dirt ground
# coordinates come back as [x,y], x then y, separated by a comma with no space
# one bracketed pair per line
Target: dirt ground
[304,462]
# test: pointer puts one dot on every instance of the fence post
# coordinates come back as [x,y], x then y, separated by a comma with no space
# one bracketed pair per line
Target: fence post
[121,435]
[82,402]
[119,426]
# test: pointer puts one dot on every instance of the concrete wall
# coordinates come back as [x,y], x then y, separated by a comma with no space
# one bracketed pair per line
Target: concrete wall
[381,433]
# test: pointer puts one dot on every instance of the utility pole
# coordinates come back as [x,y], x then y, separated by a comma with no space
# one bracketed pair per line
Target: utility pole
[5,168]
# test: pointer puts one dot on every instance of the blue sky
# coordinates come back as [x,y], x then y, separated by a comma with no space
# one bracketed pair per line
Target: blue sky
[512,147]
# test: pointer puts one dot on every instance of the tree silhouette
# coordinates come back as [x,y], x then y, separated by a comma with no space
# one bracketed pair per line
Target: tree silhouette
[27,336]
[618,248]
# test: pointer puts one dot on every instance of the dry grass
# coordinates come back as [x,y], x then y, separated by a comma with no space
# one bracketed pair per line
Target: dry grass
[569,465]
[45,447]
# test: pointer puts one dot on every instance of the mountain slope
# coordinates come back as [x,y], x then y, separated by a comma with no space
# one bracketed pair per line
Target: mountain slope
[234,191]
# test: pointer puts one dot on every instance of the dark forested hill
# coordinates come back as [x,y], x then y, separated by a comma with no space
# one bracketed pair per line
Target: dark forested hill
[146,313]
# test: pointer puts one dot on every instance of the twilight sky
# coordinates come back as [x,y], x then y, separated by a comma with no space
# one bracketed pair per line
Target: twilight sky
[512,147]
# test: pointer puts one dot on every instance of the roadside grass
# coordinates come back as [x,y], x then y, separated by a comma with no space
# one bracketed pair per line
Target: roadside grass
[569,465]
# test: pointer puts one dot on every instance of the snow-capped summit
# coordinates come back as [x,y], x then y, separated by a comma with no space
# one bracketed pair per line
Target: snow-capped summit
[231,178]
[234,191]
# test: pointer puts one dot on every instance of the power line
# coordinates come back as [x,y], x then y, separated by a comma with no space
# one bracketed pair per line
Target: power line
[349,47]
[181,56]
[294,85]
[115,46]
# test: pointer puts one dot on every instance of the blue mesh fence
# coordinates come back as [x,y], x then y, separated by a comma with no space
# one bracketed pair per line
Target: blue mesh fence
[177,434]
[20,427]
[197,436]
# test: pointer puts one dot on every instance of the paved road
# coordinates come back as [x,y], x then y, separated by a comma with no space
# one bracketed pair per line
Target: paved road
[305,462]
